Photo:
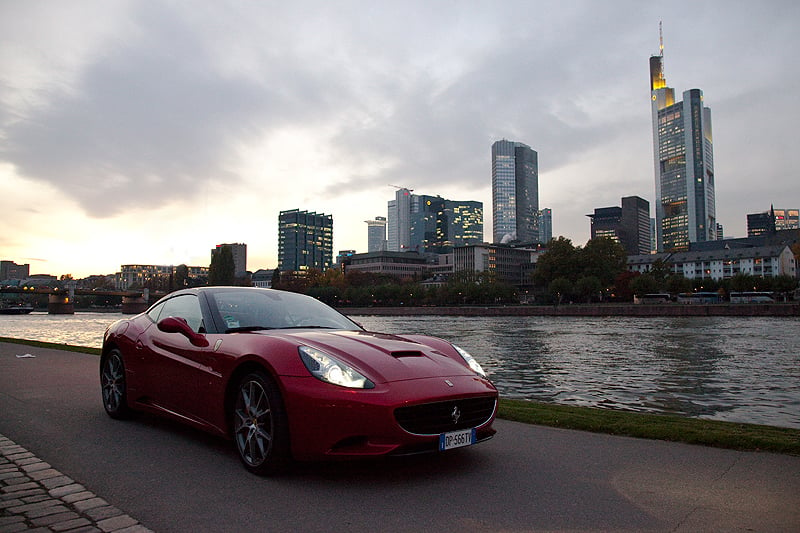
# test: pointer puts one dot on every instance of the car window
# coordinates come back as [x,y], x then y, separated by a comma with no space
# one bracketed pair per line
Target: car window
[186,307]
[276,310]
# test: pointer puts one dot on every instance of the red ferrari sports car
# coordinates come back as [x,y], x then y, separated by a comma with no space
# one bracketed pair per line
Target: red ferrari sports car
[287,377]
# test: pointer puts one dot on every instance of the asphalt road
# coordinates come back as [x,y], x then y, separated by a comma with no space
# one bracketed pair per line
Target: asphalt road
[528,478]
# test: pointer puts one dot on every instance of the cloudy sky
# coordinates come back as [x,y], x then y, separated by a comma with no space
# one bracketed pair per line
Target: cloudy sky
[147,132]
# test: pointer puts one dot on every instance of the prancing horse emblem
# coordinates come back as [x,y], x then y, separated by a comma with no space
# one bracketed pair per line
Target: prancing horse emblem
[456,414]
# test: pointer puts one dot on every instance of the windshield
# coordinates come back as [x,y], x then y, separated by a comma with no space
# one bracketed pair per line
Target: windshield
[251,310]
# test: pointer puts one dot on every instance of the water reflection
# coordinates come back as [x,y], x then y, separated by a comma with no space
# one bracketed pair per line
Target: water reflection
[737,369]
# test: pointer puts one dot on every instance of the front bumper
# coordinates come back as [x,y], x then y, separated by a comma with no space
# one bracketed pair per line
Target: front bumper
[329,421]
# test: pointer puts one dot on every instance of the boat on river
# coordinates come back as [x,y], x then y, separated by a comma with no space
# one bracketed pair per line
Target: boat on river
[15,309]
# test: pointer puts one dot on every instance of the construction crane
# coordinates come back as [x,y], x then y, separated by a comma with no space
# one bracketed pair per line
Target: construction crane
[398,187]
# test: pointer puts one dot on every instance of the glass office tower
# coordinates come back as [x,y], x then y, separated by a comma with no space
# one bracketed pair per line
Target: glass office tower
[515,192]
[685,206]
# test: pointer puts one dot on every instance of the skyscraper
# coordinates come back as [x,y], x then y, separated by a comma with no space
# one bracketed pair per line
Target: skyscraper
[423,223]
[545,225]
[305,240]
[376,234]
[684,164]
[399,223]
[629,225]
[515,192]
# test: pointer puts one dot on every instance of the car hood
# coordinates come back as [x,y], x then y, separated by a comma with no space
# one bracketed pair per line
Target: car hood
[387,358]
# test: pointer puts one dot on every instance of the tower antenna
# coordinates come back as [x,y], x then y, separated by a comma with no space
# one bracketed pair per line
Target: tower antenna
[660,39]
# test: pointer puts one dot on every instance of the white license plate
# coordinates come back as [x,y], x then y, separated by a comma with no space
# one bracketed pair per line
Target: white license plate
[456,439]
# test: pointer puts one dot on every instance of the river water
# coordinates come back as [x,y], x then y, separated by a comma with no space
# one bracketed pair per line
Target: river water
[739,369]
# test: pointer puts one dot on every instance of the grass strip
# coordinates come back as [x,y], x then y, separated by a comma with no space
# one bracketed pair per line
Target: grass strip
[736,436]
[745,437]
[53,345]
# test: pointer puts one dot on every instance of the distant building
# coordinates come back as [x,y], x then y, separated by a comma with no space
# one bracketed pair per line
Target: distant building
[305,240]
[376,234]
[515,193]
[762,261]
[787,219]
[432,224]
[438,224]
[399,221]
[685,204]
[772,221]
[140,276]
[629,225]
[239,252]
[11,270]
[262,278]
[407,265]
[545,225]
[509,264]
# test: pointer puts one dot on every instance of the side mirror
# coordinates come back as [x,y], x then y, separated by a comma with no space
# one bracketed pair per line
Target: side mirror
[173,324]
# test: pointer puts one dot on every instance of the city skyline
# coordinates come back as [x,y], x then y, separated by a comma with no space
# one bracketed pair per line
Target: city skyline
[147,133]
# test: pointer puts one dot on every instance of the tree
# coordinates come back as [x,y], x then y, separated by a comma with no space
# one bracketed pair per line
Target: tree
[603,258]
[644,284]
[559,261]
[588,287]
[559,288]
[181,279]
[222,270]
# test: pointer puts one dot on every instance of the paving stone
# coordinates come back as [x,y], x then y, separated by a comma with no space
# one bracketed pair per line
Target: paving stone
[47,511]
[70,525]
[16,480]
[14,528]
[78,496]
[34,506]
[34,466]
[45,474]
[37,498]
[20,488]
[11,475]
[4,504]
[101,513]
[5,520]
[118,522]
[72,488]
[28,461]
[86,529]
[91,503]
[21,455]
[54,518]
[55,482]
[139,528]
[22,494]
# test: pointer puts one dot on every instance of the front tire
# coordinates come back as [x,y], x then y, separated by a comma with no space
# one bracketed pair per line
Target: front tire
[260,426]
[114,385]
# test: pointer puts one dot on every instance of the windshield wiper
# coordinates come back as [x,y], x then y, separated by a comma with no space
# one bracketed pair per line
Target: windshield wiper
[246,328]
[306,327]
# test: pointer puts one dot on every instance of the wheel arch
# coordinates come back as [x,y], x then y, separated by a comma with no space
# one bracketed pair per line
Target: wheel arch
[233,381]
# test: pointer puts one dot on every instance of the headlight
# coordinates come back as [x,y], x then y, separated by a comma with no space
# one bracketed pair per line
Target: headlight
[329,369]
[473,364]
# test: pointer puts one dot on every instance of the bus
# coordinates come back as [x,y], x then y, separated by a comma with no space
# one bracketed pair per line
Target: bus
[699,298]
[655,298]
[752,297]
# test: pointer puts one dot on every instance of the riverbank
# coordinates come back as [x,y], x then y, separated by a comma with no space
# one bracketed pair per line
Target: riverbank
[789,309]
[738,436]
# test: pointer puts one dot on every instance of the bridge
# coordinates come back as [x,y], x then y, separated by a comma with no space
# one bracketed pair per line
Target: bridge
[62,301]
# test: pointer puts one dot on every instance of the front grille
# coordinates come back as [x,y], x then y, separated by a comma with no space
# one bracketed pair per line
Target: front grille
[439,417]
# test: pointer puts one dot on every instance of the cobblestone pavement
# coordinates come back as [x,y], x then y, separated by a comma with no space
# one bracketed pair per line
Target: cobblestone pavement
[36,497]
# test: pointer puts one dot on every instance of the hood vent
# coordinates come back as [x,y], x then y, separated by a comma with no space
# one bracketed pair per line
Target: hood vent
[407,353]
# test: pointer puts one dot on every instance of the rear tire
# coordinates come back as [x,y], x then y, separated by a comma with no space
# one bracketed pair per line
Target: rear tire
[113,385]
[260,425]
